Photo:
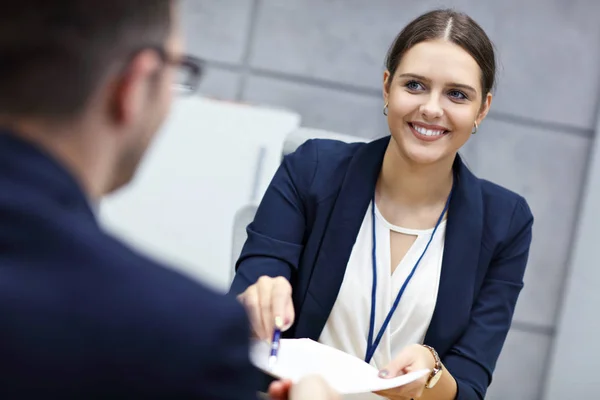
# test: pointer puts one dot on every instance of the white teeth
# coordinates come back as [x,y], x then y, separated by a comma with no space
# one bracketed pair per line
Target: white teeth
[427,132]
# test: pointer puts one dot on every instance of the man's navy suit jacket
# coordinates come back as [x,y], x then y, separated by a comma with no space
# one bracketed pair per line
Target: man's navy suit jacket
[84,316]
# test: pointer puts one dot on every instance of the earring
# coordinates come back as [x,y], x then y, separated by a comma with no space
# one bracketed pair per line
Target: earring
[475,130]
[385,109]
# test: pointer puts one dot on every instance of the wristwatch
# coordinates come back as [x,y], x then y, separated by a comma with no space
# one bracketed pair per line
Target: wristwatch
[436,373]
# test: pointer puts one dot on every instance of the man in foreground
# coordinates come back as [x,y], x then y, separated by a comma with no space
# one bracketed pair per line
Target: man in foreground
[84,87]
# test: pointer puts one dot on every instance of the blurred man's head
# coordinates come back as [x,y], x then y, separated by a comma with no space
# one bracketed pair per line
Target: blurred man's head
[91,79]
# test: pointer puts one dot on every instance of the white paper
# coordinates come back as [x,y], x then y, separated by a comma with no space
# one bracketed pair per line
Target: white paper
[345,373]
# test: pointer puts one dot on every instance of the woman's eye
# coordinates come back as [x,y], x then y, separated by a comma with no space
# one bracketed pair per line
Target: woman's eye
[413,85]
[457,95]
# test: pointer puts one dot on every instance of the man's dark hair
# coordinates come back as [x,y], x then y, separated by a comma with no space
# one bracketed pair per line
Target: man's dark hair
[53,54]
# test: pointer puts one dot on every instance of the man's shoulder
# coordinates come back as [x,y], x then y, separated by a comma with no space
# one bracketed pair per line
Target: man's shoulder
[183,322]
[154,286]
[200,335]
[116,309]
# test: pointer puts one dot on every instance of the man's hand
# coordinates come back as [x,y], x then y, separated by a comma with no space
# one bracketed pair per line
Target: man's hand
[309,388]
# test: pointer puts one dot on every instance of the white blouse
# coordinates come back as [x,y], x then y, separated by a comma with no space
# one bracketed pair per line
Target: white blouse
[347,327]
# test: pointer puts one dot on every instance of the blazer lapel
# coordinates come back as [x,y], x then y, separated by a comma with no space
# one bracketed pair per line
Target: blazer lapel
[460,260]
[342,229]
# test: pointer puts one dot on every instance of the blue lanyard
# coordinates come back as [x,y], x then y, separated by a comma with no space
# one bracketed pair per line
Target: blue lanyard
[372,346]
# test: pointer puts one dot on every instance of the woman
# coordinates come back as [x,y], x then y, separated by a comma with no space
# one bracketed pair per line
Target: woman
[393,251]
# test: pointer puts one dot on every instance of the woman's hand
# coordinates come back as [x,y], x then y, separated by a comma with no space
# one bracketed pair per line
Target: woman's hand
[309,388]
[269,305]
[412,358]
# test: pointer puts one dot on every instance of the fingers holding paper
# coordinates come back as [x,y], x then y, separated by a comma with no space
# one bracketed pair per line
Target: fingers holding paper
[308,388]
[412,358]
[269,304]
[280,390]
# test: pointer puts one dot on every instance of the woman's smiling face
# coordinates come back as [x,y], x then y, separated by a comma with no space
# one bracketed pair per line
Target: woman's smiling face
[434,100]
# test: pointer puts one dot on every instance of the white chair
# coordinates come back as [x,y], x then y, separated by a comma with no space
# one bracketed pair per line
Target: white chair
[302,134]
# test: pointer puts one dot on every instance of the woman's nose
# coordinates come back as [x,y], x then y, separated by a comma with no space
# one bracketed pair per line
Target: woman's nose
[431,108]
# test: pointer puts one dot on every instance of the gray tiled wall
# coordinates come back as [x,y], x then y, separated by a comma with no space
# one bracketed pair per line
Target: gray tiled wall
[324,59]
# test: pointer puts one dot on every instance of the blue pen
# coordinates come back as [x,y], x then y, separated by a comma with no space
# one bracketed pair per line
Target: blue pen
[275,342]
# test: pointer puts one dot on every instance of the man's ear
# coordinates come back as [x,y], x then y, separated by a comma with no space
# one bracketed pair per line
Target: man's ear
[131,88]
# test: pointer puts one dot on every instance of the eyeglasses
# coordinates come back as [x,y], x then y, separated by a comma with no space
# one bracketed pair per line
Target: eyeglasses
[189,70]
[188,74]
